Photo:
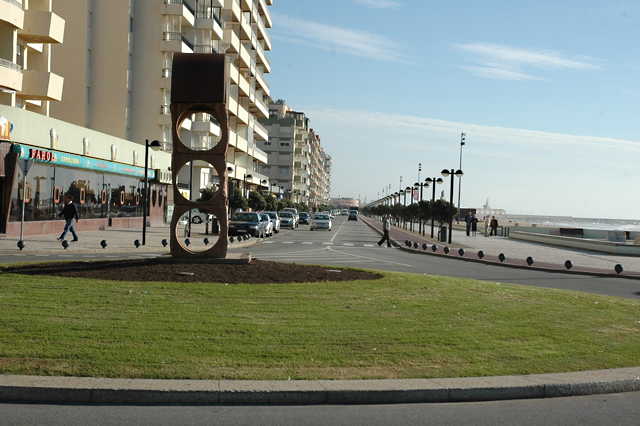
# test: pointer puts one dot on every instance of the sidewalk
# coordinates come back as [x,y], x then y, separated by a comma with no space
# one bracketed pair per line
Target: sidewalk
[516,252]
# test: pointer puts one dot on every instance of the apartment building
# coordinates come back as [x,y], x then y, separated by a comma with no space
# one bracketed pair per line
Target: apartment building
[120,57]
[296,161]
[45,158]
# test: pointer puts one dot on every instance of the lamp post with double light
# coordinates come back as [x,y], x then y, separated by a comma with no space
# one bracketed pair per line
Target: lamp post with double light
[434,181]
[445,173]
[156,146]
[463,137]
[245,192]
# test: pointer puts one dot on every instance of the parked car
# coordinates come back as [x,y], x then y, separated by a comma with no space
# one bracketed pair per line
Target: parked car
[275,219]
[248,223]
[287,219]
[199,217]
[268,228]
[304,218]
[321,221]
[353,215]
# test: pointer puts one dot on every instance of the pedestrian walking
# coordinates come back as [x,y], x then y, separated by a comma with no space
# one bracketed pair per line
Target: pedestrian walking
[494,226]
[486,226]
[386,227]
[474,225]
[468,220]
[70,213]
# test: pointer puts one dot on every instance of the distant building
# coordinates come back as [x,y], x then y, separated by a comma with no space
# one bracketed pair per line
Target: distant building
[487,210]
[345,203]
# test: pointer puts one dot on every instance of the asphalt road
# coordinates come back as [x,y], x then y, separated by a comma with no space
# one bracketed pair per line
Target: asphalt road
[614,409]
[354,244]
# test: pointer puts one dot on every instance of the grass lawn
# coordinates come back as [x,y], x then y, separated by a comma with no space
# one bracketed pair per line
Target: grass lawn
[402,326]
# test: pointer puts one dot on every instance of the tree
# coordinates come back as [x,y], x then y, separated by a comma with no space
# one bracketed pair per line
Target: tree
[441,212]
[271,203]
[238,201]
[206,194]
[256,201]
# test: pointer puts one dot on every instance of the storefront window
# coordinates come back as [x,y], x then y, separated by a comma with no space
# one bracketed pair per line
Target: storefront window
[97,195]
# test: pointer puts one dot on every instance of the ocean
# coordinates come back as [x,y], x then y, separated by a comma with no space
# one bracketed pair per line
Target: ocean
[572,222]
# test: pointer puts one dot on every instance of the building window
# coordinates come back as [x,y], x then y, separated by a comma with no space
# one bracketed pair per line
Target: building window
[284,144]
[283,171]
[268,143]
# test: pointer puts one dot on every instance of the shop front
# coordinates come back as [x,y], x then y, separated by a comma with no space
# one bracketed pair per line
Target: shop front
[108,194]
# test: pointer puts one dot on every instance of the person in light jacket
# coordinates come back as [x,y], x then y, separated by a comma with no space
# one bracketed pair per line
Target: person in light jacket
[386,227]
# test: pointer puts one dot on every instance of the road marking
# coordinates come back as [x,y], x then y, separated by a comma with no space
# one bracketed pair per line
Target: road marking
[267,242]
[348,244]
[368,245]
[287,242]
[308,242]
[42,255]
[328,243]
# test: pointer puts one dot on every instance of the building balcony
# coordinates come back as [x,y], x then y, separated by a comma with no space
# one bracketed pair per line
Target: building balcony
[180,8]
[234,7]
[264,11]
[245,26]
[258,107]
[41,86]
[205,123]
[10,75]
[165,80]
[263,35]
[11,13]
[230,38]
[262,82]
[245,58]
[173,41]
[209,19]
[204,48]
[260,131]
[42,27]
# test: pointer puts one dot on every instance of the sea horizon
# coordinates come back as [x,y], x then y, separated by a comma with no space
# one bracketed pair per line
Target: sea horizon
[573,222]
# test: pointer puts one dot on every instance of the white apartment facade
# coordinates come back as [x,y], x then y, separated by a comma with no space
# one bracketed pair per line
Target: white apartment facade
[296,161]
[44,158]
[121,60]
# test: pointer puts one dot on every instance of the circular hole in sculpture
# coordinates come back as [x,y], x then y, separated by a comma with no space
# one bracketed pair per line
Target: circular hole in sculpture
[200,132]
[198,181]
[198,230]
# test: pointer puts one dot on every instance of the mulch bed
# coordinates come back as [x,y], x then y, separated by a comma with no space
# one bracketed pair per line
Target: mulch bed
[145,270]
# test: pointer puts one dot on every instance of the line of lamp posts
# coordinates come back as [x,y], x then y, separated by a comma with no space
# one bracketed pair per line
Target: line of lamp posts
[420,185]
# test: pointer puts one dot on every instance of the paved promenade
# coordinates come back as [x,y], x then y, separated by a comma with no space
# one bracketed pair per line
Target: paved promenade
[105,391]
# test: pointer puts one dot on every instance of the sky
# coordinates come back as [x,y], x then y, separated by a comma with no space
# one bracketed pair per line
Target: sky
[546,91]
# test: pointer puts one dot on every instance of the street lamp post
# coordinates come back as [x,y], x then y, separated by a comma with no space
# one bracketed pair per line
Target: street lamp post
[408,190]
[446,173]
[463,136]
[416,186]
[155,145]
[246,193]
[433,181]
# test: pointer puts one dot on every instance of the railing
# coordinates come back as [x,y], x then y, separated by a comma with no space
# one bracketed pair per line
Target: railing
[210,12]
[11,65]
[165,109]
[183,2]
[171,35]
[187,42]
[166,73]
[204,48]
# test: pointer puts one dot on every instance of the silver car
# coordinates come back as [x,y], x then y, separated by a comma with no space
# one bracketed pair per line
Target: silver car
[275,219]
[287,219]
[268,228]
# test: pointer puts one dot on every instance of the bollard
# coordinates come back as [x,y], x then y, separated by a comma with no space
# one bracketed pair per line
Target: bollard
[446,250]
[231,239]
[529,260]
[206,241]
[416,245]
[407,243]
[480,254]
[461,252]
[21,244]
[568,264]
[164,242]
[65,244]
[501,257]
[434,248]
[618,268]
[425,246]
[136,243]
[104,243]
[187,242]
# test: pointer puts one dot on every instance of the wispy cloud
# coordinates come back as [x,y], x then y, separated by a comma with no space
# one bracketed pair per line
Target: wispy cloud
[380,4]
[343,40]
[513,63]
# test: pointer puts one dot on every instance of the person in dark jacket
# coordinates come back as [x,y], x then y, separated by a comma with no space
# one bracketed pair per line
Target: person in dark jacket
[386,227]
[70,213]
[494,226]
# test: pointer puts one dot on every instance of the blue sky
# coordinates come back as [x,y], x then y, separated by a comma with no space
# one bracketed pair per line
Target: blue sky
[547,92]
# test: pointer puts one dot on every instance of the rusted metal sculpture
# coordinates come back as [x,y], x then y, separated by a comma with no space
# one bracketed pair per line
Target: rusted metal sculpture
[198,85]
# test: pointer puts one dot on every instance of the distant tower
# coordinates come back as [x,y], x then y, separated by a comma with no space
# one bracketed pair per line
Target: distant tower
[486,206]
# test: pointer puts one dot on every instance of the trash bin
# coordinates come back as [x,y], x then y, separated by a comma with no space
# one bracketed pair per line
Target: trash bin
[443,234]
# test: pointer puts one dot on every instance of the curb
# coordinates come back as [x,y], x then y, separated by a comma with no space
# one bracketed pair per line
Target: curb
[84,390]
